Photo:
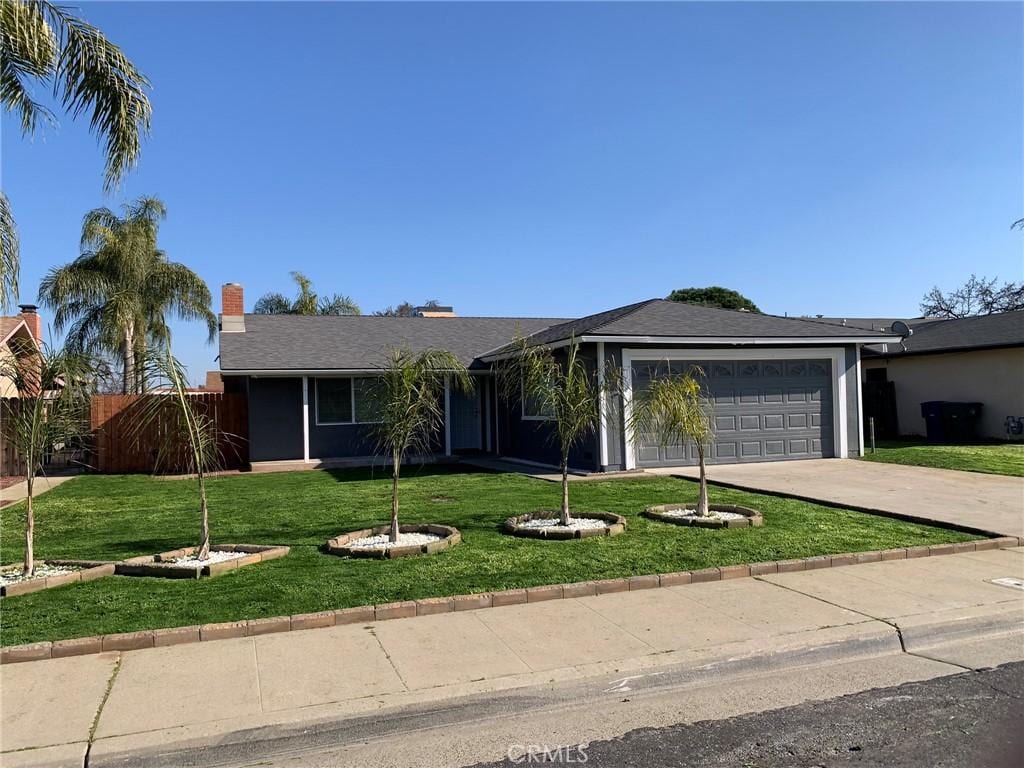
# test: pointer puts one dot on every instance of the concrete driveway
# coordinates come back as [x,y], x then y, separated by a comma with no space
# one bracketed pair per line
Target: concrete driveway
[993,503]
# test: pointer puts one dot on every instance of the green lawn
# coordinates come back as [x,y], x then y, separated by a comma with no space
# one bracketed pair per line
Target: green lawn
[993,458]
[114,517]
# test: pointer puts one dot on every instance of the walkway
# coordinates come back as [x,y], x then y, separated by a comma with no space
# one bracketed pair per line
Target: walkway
[993,503]
[150,702]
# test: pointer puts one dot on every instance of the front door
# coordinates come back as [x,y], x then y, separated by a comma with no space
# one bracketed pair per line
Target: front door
[465,419]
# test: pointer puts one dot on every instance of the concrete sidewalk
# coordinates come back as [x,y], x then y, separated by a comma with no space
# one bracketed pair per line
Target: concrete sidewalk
[43,483]
[992,503]
[119,707]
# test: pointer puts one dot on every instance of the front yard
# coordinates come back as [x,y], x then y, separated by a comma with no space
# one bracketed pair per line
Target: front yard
[115,517]
[992,458]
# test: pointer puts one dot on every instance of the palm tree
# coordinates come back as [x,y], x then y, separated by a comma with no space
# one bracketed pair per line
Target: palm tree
[116,296]
[52,408]
[674,410]
[563,390]
[306,302]
[42,43]
[190,437]
[409,396]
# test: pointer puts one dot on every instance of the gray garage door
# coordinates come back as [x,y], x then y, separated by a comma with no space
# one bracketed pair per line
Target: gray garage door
[764,410]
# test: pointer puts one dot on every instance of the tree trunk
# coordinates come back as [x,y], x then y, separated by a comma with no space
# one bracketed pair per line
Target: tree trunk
[128,388]
[204,521]
[565,519]
[702,498]
[395,467]
[30,527]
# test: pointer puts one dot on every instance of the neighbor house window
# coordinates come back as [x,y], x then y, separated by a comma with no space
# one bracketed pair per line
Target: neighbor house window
[346,400]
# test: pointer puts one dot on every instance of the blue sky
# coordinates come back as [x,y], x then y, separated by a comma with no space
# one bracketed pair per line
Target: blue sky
[559,159]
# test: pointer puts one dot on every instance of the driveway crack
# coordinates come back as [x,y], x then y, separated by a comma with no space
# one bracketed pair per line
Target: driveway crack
[99,710]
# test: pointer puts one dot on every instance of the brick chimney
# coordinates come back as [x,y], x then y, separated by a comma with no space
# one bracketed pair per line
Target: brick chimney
[32,320]
[232,308]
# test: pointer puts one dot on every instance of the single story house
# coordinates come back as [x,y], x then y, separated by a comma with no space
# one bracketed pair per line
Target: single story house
[972,359]
[783,388]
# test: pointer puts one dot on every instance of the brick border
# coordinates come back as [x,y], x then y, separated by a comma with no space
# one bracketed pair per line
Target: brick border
[90,569]
[151,638]
[751,517]
[156,565]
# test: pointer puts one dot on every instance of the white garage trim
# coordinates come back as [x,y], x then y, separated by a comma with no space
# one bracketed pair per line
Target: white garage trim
[860,406]
[602,407]
[836,354]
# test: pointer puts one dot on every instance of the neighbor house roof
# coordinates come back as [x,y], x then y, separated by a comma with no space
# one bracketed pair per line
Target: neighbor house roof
[8,325]
[874,323]
[1005,329]
[321,343]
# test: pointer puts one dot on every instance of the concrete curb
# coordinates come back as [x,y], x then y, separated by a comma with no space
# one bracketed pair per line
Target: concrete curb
[432,605]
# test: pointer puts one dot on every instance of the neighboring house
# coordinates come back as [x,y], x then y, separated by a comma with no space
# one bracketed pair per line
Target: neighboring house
[784,388]
[974,359]
[18,335]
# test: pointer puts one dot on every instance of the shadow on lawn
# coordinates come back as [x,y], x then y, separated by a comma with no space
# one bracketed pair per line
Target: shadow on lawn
[409,472]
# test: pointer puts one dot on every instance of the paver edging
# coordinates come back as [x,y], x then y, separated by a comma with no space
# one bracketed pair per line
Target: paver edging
[339,545]
[411,608]
[157,565]
[89,570]
[661,512]
[514,526]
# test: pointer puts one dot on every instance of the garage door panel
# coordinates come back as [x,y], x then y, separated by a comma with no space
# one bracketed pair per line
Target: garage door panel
[763,410]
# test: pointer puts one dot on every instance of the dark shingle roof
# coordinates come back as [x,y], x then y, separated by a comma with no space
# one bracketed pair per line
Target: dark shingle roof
[983,332]
[296,342]
[874,323]
[658,317]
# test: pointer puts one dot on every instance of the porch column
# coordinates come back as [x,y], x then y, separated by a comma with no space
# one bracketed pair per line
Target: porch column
[602,401]
[447,415]
[305,418]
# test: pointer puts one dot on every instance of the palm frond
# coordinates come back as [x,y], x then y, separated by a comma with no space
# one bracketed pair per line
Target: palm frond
[10,255]
[28,51]
[93,75]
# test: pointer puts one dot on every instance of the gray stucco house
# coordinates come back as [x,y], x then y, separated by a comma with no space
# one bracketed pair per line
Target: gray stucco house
[783,388]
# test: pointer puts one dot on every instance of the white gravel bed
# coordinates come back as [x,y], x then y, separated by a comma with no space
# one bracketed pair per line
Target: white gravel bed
[216,556]
[692,513]
[381,541]
[41,572]
[575,523]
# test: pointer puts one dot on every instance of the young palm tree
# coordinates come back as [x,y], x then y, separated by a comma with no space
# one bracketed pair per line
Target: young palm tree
[674,410]
[306,302]
[410,399]
[42,43]
[189,437]
[52,408]
[116,296]
[563,389]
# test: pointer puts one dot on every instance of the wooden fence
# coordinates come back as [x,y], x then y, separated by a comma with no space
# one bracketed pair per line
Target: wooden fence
[118,445]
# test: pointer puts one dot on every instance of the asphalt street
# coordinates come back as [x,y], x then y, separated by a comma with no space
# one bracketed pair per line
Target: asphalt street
[972,720]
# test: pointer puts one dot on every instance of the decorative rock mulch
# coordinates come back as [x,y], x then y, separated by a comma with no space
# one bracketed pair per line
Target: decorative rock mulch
[180,563]
[722,516]
[53,573]
[413,539]
[545,525]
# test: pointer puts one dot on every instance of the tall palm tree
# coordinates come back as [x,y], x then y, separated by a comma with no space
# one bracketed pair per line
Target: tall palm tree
[306,302]
[42,43]
[115,298]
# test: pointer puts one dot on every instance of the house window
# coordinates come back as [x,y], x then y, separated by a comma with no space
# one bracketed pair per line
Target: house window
[346,400]
[534,410]
[334,401]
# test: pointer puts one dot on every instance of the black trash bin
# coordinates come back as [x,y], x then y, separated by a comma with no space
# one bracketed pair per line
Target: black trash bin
[961,421]
[948,422]
[935,427]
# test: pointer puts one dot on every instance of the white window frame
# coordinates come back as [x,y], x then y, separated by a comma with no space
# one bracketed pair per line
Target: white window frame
[836,354]
[352,398]
[522,406]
